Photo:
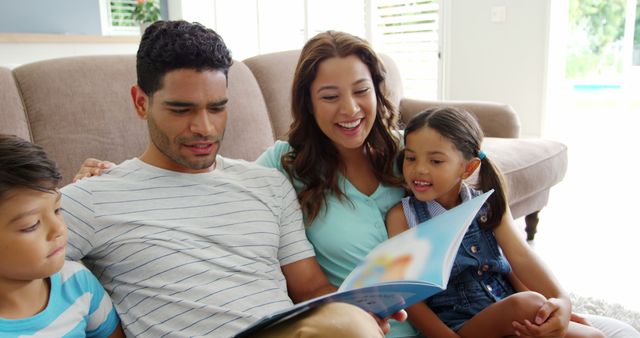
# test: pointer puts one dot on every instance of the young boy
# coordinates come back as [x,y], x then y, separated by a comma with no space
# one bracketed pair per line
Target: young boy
[40,294]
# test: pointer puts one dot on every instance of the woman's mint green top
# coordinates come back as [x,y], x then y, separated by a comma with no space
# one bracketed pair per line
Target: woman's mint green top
[345,231]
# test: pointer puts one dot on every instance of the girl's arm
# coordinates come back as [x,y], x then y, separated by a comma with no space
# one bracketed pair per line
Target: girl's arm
[420,315]
[396,222]
[534,275]
[516,283]
[428,323]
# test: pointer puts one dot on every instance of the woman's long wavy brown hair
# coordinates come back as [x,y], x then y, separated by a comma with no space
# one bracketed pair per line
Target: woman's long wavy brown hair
[314,160]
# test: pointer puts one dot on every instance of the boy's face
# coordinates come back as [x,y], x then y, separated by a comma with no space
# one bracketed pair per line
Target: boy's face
[33,235]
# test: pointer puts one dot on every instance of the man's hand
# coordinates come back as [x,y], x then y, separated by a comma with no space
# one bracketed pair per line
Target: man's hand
[92,167]
[400,316]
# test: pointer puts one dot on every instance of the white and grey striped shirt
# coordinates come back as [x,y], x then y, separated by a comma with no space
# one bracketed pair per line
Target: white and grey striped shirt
[187,254]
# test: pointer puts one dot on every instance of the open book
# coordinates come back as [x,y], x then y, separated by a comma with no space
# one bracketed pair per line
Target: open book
[399,272]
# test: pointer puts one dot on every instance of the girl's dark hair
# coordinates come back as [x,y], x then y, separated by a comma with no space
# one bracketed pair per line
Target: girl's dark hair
[462,129]
[314,159]
[171,45]
[25,165]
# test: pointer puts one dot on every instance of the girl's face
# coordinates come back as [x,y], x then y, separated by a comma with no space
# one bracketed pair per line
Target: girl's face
[433,168]
[344,101]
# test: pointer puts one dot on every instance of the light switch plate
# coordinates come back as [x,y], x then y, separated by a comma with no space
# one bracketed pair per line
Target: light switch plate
[498,14]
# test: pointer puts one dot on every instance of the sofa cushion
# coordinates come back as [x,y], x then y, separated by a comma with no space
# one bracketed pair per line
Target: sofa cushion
[80,107]
[13,119]
[274,73]
[530,168]
[249,130]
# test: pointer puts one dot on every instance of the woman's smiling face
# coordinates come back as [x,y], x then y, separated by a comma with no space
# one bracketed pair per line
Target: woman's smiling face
[344,101]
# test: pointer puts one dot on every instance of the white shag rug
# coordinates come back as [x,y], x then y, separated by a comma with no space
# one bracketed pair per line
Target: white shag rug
[600,307]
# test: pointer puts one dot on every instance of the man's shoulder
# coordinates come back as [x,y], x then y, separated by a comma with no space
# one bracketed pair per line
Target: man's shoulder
[246,168]
[118,173]
[254,177]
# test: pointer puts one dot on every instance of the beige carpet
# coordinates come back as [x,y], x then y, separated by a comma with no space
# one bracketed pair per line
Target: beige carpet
[600,307]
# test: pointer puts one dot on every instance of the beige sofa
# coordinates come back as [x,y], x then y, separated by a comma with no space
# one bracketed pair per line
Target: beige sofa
[80,107]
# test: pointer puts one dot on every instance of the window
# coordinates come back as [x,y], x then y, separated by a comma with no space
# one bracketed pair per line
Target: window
[116,17]
[408,32]
[636,37]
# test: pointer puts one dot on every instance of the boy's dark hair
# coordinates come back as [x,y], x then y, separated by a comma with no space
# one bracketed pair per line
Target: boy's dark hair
[462,129]
[25,165]
[171,45]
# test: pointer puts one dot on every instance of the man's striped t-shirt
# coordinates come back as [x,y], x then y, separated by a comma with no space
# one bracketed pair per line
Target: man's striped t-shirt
[187,254]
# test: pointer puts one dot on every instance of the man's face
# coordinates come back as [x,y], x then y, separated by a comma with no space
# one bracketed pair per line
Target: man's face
[186,120]
[33,235]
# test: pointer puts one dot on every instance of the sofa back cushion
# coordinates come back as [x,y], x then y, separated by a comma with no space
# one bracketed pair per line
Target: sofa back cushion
[81,107]
[274,73]
[249,130]
[13,120]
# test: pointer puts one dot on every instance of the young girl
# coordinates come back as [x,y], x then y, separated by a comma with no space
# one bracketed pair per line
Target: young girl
[484,298]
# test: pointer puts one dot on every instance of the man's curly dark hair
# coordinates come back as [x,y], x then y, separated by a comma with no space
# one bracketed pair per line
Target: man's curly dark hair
[171,45]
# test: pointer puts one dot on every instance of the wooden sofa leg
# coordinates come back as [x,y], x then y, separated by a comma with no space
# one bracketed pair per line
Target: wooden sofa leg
[531,221]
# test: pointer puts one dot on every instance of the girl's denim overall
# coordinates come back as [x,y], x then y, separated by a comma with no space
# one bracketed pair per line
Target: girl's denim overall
[479,275]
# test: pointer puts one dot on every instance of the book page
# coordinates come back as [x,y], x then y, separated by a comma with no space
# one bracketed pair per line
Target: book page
[424,253]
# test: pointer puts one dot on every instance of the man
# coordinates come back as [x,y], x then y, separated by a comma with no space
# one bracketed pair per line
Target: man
[186,242]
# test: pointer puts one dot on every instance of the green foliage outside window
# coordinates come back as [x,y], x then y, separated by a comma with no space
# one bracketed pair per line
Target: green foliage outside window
[146,11]
[596,33]
[133,13]
[121,14]
[636,34]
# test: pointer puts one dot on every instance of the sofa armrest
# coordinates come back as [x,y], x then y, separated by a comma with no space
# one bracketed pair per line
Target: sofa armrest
[495,119]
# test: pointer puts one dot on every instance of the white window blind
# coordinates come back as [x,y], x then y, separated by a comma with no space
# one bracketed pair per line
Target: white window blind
[408,32]
[117,17]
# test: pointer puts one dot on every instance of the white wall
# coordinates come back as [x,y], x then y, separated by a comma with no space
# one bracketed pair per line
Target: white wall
[16,50]
[498,61]
[252,27]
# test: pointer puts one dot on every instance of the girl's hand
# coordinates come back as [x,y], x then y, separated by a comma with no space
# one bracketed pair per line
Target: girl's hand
[552,320]
[92,167]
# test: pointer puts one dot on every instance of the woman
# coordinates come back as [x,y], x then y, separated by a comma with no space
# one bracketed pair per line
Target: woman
[345,178]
